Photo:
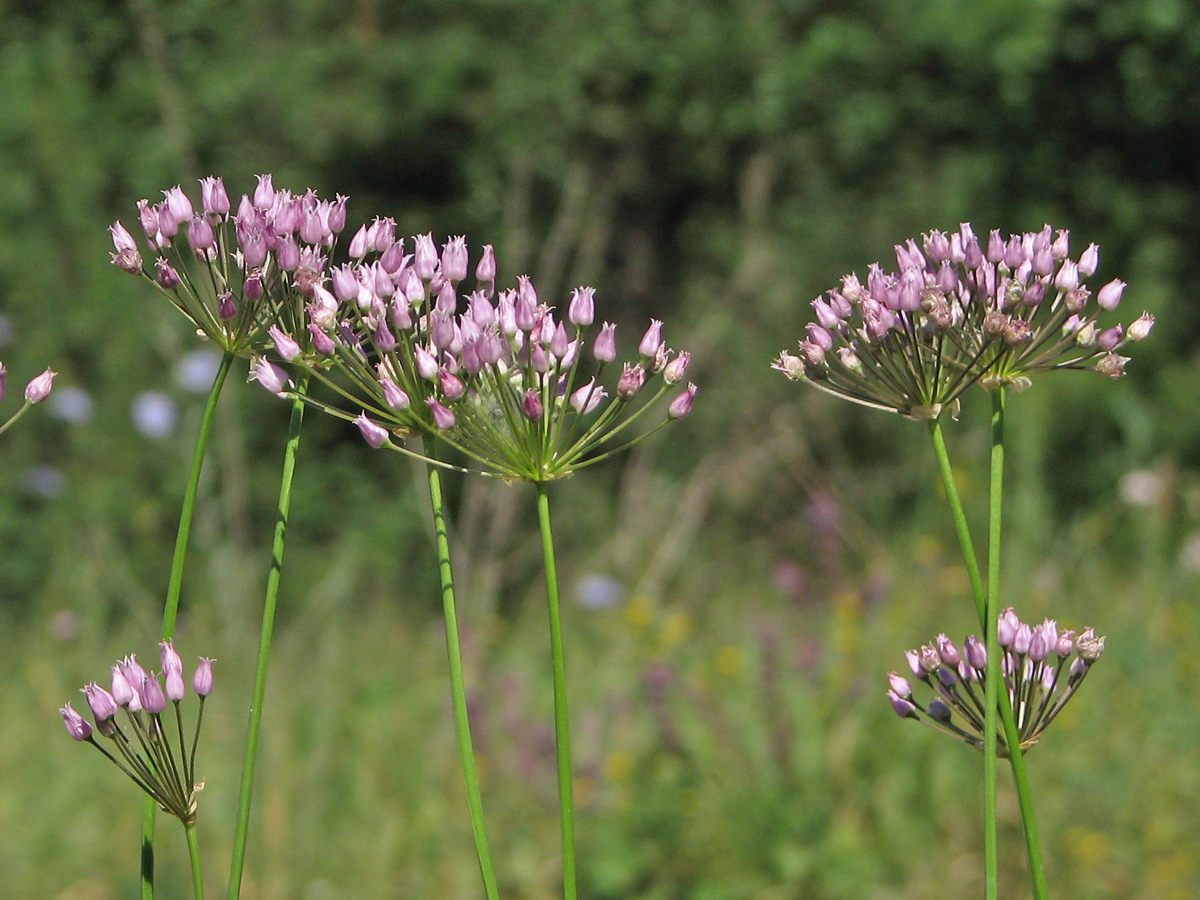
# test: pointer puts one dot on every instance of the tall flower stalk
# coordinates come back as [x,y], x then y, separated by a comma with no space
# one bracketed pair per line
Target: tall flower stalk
[960,313]
[499,379]
[245,271]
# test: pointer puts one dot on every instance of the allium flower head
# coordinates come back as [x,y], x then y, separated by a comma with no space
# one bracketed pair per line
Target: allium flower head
[1039,675]
[504,378]
[955,314]
[235,275]
[156,757]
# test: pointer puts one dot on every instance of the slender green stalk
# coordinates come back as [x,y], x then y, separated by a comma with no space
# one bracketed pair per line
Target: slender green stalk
[991,695]
[462,724]
[175,586]
[242,826]
[194,854]
[1033,847]
[562,731]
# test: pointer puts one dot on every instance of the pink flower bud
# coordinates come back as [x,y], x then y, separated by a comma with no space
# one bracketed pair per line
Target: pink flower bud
[1110,294]
[272,377]
[443,419]
[899,685]
[605,348]
[373,434]
[903,708]
[588,397]
[975,652]
[1089,261]
[485,272]
[264,192]
[454,259]
[177,206]
[531,406]
[122,691]
[651,340]
[226,308]
[1110,337]
[213,197]
[425,258]
[168,278]
[202,681]
[393,396]
[451,385]
[1059,249]
[76,726]
[674,371]
[201,237]
[39,389]
[682,404]
[947,650]
[101,702]
[285,345]
[153,699]
[631,381]
[582,309]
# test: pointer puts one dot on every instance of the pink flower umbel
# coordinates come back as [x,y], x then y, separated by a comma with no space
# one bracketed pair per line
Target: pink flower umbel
[246,271]
[143,747]
[957,314]
[1039,675]
[497,376]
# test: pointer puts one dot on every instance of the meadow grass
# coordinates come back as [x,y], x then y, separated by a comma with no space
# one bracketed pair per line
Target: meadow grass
[728,746]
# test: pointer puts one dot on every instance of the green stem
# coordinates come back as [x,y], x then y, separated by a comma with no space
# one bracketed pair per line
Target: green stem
[562,737]
[241,829]
[1033,847]
[993,674]
[175,586]
[1011,735]
[194,854]
[462,724]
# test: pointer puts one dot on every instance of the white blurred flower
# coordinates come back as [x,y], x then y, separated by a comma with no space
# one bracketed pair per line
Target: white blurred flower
[71,404]
[598,592]
[1140,487]
[42,481]
[196,370]
[154,414]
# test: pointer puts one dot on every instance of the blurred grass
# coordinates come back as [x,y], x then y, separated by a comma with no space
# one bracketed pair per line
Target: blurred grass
[731,742]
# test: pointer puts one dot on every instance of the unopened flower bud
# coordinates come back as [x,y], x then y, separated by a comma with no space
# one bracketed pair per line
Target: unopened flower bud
[900,686]
[674,371]
[588,397]
[651,340]
[947,650]
[1110,294]
[903,708]
[682,404]
[454,259]
[485,271]
[272,377]
[605,348]
[443,419]
[39,388]
[631,381]
[1006,627]
[1089,646]
[285,345]
[1111,365]
[76,726]
[202,681]
[1139,328]
[939,711]
[373,434]
[213,197]
[154,701]
[168,278]
[531,406]
[975,652]
[101,702]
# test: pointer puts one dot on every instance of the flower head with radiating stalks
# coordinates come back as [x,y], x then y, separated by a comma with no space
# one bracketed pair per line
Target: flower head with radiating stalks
[1042,668]
[500,377]
[959,313]
[234,273]
[161,764]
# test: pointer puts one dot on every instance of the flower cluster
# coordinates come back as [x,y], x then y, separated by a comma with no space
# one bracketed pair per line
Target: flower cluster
[499,376]
[1039,675]
[256,267]
[143,748]
[957,313]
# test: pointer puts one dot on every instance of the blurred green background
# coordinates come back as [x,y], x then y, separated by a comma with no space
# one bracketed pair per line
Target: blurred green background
[740,584]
